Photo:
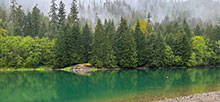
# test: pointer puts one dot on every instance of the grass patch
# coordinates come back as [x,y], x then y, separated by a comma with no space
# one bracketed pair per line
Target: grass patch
[42,68]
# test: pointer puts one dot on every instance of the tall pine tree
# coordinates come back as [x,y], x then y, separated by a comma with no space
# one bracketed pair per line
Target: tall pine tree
[28,25]
[182,47]
[73,15]
[141,45]
[61,14]
[36,21]
[102,52]
[126,52]
[53,19]
[86,41]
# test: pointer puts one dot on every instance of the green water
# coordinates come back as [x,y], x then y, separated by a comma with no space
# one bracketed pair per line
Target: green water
[104,86]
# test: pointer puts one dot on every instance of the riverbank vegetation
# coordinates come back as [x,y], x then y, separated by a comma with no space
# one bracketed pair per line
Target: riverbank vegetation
[60,40]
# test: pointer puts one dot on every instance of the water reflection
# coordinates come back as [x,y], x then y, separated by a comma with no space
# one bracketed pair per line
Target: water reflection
[122,85]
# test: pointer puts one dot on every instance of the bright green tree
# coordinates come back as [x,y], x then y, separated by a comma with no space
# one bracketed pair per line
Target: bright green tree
[200,52]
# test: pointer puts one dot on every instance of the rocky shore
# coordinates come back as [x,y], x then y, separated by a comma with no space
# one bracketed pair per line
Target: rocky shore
[204,97]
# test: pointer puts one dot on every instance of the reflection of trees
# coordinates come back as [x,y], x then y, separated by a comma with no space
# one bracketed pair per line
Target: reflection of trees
[65,86]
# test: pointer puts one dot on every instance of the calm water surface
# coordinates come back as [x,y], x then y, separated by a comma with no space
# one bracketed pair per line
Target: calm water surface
[106,86]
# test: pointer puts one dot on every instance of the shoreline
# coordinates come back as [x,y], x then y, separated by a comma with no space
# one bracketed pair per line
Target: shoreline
[88,67]
[203,97]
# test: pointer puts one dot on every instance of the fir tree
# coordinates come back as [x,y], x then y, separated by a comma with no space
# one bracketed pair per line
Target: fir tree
[198,30]
[35,21]
[125,46]
[53,19]
[61,49]
[159,50]
[28,25]
[86,41]
[141,45]
[42,30]
[102,52]
[187,29]
[61,14]
[73,38]
[73,15]
[182,47]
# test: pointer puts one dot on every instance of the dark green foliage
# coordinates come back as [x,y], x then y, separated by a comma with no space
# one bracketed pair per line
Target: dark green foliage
[187,29]
[60,49]
[126,52]
[61,14]
[73,39]
[209,31]
[159,47]
[35,21]
[67,46]
[43,29]
[53,24]
[28,25]
[198,30]
[170,43]
[73,16]
[16,19]
[102,52]
[140,39]
[182,47]
[86,41]
[216,35]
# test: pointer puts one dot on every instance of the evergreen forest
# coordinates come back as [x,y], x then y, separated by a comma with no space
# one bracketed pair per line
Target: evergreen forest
[57,40]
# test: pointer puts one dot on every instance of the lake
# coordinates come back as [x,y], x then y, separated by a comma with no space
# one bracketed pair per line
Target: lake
[106,86]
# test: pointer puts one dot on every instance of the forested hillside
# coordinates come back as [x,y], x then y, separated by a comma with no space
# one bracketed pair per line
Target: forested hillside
[90,10]
[117,37]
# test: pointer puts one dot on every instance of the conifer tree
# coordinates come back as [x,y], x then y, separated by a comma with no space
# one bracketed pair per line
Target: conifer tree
[182,47]
[126,52]
[159,50]
[187,29]
[102,52]
[42,29]
[53,19]
[73,38]
[35,21]
[86,41]
[110,59]
[61,14]
[216,35]
[16,19]
[67,46]
[73,15]
[141,45]
[28,25]
[198,30]
[61,49]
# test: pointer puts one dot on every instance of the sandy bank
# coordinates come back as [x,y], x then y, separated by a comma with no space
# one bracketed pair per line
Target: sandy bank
[204,97]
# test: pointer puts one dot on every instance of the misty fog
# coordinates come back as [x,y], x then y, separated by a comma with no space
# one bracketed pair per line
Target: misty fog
[114,9]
